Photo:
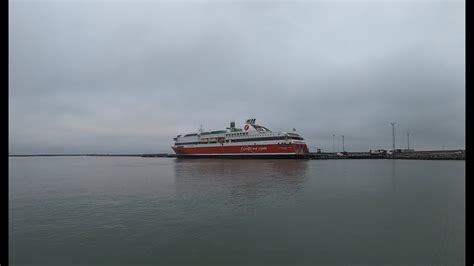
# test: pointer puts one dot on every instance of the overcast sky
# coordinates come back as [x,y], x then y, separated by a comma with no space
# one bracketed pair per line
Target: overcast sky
[126,77]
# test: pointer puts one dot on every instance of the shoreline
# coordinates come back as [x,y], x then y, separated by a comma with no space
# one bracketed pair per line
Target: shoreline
[415,155]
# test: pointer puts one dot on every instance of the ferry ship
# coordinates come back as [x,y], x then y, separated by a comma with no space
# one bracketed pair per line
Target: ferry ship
[252,140]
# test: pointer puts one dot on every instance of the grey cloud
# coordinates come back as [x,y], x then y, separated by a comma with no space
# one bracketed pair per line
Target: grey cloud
[128,76]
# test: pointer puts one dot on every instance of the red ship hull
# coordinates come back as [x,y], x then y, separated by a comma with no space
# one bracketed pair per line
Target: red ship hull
[257,150]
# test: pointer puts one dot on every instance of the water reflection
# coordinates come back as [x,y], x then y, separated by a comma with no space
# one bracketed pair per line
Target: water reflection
[239,181]
[392,177]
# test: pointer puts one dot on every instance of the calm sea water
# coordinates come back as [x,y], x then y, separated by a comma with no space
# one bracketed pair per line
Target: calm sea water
[167,211]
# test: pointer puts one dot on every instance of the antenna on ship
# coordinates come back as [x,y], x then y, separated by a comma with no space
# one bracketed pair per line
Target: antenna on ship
[200,128]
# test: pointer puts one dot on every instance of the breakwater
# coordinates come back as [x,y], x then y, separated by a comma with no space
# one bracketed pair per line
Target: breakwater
[413,155]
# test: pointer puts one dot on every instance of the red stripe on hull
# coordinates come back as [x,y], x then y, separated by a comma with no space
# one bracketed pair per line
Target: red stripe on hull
[267,149]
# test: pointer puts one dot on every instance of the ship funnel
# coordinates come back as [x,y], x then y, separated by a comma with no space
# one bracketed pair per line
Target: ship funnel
[232,124]
[250,121]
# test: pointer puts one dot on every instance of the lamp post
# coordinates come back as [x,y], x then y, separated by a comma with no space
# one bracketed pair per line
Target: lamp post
[393,136]
[333,143]
[408,140]
[343,150]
